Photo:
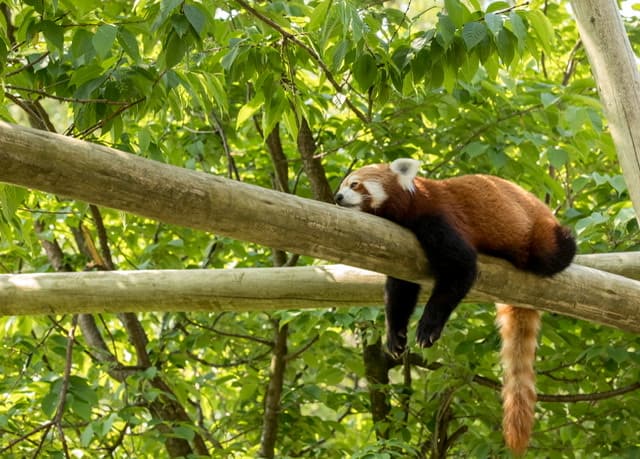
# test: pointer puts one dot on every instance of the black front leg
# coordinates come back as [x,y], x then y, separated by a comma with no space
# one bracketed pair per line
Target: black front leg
[453,263]
[400,300]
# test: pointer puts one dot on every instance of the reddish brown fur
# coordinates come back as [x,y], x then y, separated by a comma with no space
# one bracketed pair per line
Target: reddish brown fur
[494,215]
[500,218]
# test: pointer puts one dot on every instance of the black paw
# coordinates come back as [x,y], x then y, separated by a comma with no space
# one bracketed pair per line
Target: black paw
[428,333]
[396,342]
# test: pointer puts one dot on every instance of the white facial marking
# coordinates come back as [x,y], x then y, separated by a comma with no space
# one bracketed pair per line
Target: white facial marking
[406,169]
[376,193]
[350,198]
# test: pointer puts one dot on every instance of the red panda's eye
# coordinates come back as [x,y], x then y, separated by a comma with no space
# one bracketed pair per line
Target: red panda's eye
[354,185]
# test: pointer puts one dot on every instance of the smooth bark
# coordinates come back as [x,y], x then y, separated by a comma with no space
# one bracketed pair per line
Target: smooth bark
[112,178]
[581,292]
[615,69]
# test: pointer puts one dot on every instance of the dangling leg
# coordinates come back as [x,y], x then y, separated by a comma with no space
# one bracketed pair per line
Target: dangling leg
[453,263]
[400,300]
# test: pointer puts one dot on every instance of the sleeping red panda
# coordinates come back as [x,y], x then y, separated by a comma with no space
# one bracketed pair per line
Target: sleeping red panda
[454,219]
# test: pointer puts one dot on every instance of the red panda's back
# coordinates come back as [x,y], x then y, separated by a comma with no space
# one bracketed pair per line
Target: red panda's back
[496,216]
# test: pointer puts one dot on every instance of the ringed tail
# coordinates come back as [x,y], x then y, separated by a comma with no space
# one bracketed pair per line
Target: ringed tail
[519,331]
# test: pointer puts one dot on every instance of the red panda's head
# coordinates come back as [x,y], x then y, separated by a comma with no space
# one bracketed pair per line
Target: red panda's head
[373,187]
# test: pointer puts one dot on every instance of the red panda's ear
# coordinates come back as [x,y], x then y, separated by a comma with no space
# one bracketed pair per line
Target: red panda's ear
[406,169]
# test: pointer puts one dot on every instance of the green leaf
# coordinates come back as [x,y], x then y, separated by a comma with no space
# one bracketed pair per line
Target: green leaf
[275,105]
[53,34]
[455,10]
[249,109]
[497,6]
[180,24]
[319,15]
[446,31]
[618,183]
[229,58]
[518,26]
[548,99]
[103,40]
[473,33]
[196,17]
[4,49]
[364,71]
[166,9]
[542,28]
[437,76]
[475,149]
[184,431]
[129,43]
[86,436]
[420,64]
[505,45]
[494,22]
[558,157]
[174,50]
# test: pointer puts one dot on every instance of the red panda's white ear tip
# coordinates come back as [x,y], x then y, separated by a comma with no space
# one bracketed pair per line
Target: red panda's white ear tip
[406,167]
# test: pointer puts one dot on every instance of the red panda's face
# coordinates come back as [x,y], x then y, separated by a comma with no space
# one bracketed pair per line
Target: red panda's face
[368,188]
[364,189]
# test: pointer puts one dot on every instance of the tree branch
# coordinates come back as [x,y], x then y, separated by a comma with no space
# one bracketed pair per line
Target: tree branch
[312,165]
[105,176]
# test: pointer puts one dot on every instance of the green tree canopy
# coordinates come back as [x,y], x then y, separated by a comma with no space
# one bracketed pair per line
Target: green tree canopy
[289,95]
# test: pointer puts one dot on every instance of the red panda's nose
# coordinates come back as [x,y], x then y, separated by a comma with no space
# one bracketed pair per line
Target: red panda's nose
[338,198]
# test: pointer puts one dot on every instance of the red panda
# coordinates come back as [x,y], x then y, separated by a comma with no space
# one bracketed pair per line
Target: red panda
[454,219]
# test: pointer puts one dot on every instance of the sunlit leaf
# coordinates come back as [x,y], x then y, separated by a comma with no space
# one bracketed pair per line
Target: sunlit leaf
[473,33]
[364,71]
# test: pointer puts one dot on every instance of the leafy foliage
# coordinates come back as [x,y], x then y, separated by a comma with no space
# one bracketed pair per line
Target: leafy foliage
[467,86]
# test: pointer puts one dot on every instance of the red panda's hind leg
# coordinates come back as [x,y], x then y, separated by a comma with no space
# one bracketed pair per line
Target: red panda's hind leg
[400,298]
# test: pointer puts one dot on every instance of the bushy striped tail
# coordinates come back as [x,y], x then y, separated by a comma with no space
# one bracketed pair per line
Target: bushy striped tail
[519,331]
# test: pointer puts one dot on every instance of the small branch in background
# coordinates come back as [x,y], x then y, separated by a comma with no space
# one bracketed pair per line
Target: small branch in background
[71,337]
[232,168]
[299,352]
[376,369]
[102,237]
[88,131]
[10,28]
[52,249]
[571,63]
[38,118]
[278,159]
[272,399]
[72,100]
[312,165]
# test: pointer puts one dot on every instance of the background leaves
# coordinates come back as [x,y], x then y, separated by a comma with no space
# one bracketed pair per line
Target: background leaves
[464,86]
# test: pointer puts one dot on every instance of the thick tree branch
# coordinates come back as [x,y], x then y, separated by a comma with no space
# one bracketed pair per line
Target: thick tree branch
[108,177]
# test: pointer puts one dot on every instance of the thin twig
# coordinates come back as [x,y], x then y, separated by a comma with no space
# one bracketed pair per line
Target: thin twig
[294,355]
[65,99]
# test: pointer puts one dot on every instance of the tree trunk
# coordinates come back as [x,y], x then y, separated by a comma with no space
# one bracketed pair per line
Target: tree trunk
[615,70]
